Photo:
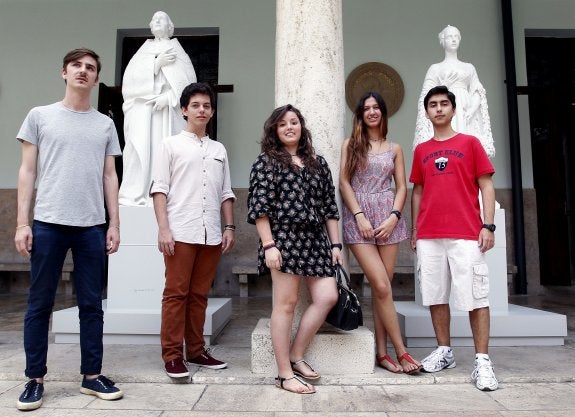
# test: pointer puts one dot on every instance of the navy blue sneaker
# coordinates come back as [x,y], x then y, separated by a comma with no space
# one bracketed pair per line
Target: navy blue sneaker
[101,387]
[31,398]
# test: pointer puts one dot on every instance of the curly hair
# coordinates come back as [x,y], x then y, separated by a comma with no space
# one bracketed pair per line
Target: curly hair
[358,145]
[274,149]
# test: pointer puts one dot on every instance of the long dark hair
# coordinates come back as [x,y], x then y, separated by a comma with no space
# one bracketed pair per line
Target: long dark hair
[358,144]
[275,150]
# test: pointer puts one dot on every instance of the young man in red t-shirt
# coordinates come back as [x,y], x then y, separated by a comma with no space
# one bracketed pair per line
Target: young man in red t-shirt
[451,239]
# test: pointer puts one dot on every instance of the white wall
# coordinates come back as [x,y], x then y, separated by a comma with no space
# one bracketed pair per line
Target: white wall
[35,34]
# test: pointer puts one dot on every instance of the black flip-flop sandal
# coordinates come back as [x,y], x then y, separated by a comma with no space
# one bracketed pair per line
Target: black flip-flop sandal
[298,373]
[280,384]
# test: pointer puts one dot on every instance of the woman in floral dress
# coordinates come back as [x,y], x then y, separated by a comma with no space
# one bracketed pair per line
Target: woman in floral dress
[372,222]
[292,203]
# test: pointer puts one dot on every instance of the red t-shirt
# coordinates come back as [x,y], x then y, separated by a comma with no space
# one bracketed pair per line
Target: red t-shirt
[448,171]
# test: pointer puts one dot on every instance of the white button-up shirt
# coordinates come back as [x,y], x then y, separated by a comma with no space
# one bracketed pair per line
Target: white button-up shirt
[194,175]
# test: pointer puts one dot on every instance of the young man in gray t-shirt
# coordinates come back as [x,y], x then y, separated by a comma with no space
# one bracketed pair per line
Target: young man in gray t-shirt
[69,148]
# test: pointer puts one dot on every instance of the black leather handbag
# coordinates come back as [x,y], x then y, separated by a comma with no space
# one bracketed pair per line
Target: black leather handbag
[346,314]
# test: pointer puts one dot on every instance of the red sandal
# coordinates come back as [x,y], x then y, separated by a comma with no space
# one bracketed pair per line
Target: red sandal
[387,358]
[407,357]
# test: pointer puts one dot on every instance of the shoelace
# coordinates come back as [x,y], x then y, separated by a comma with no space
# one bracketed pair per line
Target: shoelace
[31,388]
[206,353]
[435,356]
[173,363]
[483,370]
[106,382]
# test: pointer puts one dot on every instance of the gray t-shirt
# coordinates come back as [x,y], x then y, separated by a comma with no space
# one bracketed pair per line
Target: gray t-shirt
[72,147]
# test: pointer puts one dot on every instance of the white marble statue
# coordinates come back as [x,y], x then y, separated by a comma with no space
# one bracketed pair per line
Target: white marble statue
[152,85]
[471,115]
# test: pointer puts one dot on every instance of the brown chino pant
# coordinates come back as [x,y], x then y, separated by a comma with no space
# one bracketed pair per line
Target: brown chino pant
[189,276]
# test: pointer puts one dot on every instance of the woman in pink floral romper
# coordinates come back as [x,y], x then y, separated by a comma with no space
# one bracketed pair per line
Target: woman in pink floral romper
[372,221]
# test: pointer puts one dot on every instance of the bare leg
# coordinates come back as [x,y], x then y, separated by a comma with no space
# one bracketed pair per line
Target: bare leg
[370,261]
[285,290]
[388,255]
[323,293]
[441,319]
[480,324]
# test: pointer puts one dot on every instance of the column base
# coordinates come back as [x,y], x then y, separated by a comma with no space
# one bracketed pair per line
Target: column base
[331,351]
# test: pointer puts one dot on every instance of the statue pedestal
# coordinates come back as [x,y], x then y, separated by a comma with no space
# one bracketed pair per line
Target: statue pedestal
[132,312]
[511,325]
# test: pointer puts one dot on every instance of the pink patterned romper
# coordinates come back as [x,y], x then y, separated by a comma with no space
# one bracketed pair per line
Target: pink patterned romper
[373,192]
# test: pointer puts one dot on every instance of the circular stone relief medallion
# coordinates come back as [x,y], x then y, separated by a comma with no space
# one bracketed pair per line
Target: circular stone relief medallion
[375,76]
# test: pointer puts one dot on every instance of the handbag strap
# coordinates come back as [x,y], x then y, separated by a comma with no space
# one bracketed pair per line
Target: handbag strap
[342,275]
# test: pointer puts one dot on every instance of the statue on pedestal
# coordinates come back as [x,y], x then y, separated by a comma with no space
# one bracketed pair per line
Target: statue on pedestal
[153,82]
[471,116]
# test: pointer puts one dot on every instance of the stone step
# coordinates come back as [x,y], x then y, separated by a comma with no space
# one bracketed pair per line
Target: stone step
[331,352]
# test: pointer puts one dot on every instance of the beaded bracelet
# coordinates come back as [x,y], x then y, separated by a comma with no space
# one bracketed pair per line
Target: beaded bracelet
[231,227]
[397,213]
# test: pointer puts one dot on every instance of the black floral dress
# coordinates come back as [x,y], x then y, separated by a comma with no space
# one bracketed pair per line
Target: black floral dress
[298,203]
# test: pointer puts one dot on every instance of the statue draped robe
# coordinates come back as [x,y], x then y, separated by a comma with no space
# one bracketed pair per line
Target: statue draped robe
[145,128]
[462,80]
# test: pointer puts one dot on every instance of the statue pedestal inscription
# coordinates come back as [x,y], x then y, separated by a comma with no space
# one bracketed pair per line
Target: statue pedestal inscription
[511,325]
[132,310]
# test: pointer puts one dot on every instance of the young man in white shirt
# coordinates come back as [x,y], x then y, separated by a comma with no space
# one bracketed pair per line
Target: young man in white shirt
[191,189]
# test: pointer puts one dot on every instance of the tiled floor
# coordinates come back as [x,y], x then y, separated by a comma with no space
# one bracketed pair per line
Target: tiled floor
[535,381]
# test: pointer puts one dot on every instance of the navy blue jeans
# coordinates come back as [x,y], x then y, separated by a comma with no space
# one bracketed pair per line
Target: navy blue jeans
[50,245]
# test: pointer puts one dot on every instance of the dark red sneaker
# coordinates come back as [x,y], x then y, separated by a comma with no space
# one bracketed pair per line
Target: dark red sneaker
[176,368]
[207,361]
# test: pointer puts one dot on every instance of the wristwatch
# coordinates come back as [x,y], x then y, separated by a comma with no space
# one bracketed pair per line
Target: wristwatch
[490,227]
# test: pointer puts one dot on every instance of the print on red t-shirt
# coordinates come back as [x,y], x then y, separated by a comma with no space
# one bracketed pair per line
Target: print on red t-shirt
[448,171]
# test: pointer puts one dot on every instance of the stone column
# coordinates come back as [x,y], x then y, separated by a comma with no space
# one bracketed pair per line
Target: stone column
[309,74]
[309,70]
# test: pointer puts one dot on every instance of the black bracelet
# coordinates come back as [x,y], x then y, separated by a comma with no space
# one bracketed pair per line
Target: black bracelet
[271,245]
[359,212]
[337,245]
[397,213]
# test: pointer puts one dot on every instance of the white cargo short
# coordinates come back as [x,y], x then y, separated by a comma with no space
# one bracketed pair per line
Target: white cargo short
[445,265]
